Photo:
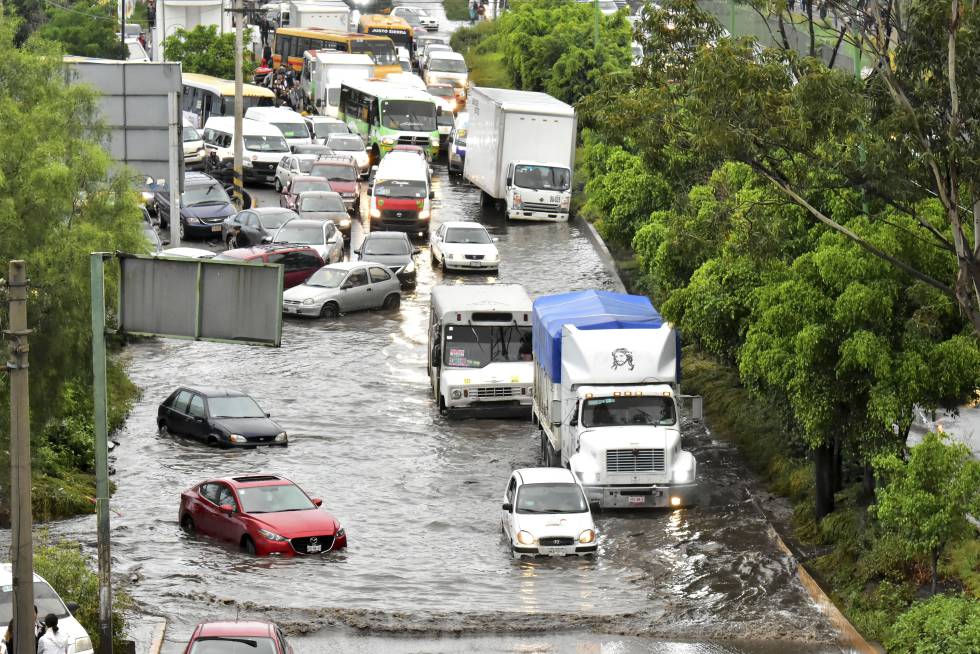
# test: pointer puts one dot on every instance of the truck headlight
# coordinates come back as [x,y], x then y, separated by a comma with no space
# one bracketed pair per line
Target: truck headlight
[83,644]
[246,163]
[424,214]
[586,537]
[683,476]
[388,140]
[517,201]
[525,538]
[456,394]
[375,212]
[565,203]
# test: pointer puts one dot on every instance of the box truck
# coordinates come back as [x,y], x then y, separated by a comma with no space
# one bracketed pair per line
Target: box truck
[324,71]
[606,391]
[520,148]
[333,16]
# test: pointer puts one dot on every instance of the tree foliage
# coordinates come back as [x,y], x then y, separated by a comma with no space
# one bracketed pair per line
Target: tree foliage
[939,625]
[202,50]
[86,28]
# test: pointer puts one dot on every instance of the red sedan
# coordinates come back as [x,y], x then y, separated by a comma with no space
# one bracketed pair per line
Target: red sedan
[263,514]
[227,637]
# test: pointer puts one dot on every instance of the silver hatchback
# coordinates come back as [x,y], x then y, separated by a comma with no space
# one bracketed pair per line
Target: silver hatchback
[342,288]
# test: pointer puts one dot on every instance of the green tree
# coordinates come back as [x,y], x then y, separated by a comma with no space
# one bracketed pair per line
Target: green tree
[925,499]
[203,50]
[86,28]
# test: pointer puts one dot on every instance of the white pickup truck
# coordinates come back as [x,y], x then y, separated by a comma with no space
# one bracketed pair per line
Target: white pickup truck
[606,385]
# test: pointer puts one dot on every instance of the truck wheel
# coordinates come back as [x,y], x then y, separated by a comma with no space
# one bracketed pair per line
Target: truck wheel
[544,449]
[485,199]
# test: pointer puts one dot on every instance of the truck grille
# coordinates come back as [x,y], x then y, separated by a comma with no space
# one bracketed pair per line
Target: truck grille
[539,206]
[400,214]
[414,140]
[263,167]
[556,541]
[301,545]
[648,460]
[494,391]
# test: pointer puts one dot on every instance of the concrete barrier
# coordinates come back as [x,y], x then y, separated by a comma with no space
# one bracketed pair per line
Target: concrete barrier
[600,249]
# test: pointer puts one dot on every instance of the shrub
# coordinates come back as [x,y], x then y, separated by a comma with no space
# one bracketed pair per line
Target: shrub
[939,625]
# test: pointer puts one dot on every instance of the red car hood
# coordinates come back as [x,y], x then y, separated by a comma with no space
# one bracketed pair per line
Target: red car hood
[339,186]
[295,524]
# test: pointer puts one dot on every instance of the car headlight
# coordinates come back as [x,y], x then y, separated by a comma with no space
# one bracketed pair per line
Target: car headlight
[281,437]
[194,220]
[308,301]
[268,535]
[83,644]
[587,536]
[341,533]
[246,163]
[237,438]
[410,268]
[450,256]
[388,140]
[525,538]
[456,394]
[147,196]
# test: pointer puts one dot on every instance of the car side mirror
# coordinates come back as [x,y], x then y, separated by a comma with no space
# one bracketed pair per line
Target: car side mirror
[71,606]
[432,195]
[507,506]
[268,415]
[227,509]
[345,286]
[416,250]
[267,239]
[317,501]
[436,356]
[357,250]
[165,241]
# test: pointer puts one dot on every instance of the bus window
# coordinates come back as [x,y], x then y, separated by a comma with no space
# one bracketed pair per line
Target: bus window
[284,45]
[372,117]
[304,45]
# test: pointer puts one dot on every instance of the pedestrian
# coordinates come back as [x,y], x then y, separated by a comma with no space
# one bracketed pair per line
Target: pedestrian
[142,39]
[7,644]
[473,6]
[481,10]
[264,30]
[52,642]
[267,56]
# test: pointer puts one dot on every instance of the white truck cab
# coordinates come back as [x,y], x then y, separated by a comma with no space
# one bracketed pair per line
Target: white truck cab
[480,349]
[538,191]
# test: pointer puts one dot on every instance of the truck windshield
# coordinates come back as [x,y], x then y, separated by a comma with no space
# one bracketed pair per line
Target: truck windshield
[628,410]
[551,498]
[547,178]
[475,346]
[409,115]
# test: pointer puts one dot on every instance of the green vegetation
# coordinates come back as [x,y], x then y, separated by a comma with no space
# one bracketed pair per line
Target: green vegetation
[88,206]
[457,9]
[202,50]
[69,572]
[86,28]
[940,625]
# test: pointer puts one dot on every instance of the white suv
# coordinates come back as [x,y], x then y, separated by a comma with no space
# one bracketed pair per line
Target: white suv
[47,601]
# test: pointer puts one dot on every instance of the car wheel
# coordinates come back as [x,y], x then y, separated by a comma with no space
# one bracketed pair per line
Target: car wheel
[161,426]
[248,545]
[329,310]
[187,524]
[232,242]
[277,185]
[432,255]
[443,266]
[392,302]
[181,230]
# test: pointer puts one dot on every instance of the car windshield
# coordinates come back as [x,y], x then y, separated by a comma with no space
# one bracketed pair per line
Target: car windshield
[396,188]
[547,178]
[442,91]
[273,499]
[275,220]
[305,234]
[382,246]
[306,165]
[381,50]
[313,149]
[45,598]
[345,143]
[302,186]
[190,134]
[327,278]
[551,498]
[293,130]
[203,194]
[475,346]
[409,115]
[476,235]
[632,410]
[447,65]
[336,172]
[266,144]
[233,645]
[234,407]
[322,203]
[445,119]
[323,130]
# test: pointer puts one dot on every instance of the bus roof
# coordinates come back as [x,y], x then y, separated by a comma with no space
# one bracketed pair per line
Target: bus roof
[450,298]
[388,90]
[249,127]
[382,20]
[224,87]
[320,33]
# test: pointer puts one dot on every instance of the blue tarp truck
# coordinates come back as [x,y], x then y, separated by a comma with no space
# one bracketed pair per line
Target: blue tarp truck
[606,391]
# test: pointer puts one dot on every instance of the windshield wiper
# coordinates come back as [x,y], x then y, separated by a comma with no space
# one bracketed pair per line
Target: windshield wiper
[226,639]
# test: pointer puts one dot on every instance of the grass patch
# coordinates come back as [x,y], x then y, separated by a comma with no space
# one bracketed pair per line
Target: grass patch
[488,70]
[457,9]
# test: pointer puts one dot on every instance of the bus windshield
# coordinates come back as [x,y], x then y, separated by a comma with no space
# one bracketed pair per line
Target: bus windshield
[381,50]
[408,115]
[475,346]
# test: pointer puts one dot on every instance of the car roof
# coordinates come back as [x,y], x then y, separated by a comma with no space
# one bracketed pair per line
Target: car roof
[214,391]
[350,265]
[195,177]
[231,629]
[270,210]
[465,224]
[319,194]
[188,253]
[306,222]
[545,476]
[249,127]
[324,119]
[337,159]
[394,236]
[258,250]
[265,113]
[309,178]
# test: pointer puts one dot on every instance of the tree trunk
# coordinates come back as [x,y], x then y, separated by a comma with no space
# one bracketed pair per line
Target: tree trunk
[868,485]
[823,458]
[935,566]
[837,477]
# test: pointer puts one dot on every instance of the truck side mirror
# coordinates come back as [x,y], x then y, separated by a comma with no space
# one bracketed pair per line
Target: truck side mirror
[574,420]
[507,506]
[319,102]
[432,195]
[510,180]
[436,356]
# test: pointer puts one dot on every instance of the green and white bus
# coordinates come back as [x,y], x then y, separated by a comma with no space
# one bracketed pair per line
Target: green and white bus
[387,114]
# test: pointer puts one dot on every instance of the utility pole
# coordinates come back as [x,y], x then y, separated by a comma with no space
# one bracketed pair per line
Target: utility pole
[122,26]
[239,16]
[97,269]
[22,546]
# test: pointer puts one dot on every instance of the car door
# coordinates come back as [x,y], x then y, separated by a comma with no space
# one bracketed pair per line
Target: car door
[282,171]
[379,286]
[294,268]
[204,511]
[335,243]
[435,243]
[285,200]
[176,417]
[197,422]
[356,291]
[227,526]
[251,229]
[507,517]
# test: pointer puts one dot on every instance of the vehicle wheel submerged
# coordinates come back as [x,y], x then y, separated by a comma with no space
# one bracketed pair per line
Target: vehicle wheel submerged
[392,302]
[329,310]
[187,524]
[248,545]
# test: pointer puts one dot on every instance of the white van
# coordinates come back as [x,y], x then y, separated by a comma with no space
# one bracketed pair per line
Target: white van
[446,67]
[263,147]
[290,123]
[401,194]
[47,601]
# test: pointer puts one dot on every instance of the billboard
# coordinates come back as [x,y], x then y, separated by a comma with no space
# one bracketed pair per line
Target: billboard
[200,299]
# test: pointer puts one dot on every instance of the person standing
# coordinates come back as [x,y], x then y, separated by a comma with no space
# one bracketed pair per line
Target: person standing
[52,642]
[473,5]
[7,644]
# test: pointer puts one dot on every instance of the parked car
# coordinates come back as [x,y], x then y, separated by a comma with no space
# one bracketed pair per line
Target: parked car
[352,145]
[319,150]
[322,127]
[204,205]
[298,261]
[254,226]
[187,253]
[194,151]
[46,600]
[227,637]
[342,173]
[325,205]
[392,249]
[262,514]
[218,417]
[342,288]
[298,185]
[291,166]
[545,512]
[462,245]
[321,235]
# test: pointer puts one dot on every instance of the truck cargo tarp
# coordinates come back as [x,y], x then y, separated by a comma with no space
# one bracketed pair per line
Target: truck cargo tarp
[585,310]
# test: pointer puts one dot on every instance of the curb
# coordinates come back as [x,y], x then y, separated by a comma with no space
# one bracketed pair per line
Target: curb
[158,632]
[600,247]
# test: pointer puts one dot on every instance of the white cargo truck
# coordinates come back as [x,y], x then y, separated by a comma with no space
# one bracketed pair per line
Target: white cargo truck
[520,148]
[333,16]
[323,73]
[480,349]
[606,391]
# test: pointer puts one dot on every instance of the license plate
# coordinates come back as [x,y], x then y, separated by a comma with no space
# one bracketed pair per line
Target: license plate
[215,228]
[288,309]
[637,499]
[269,179]
[314,549]
[553,551]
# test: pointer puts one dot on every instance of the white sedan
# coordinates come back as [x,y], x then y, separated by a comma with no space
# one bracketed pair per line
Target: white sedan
[462,245]
[545,513]
[424,18]
[293,165]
